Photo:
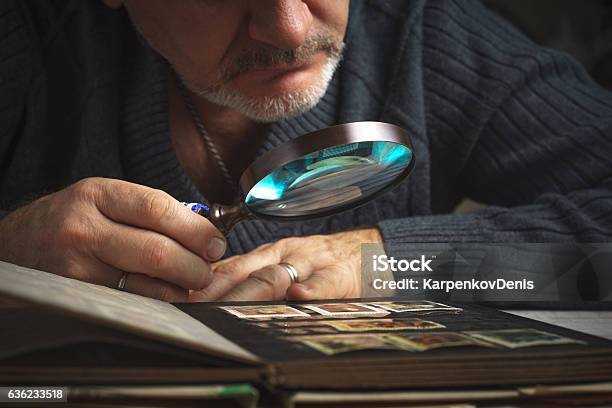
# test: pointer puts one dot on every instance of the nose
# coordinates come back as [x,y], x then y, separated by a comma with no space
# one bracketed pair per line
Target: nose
[283,24]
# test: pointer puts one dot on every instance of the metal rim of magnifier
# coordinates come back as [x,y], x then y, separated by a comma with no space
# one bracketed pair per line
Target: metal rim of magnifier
[322,139]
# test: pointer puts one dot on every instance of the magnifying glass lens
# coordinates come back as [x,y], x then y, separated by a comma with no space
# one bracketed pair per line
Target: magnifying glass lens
[329,178]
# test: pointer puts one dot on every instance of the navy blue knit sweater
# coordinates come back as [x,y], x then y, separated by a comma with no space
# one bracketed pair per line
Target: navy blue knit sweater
[492,116]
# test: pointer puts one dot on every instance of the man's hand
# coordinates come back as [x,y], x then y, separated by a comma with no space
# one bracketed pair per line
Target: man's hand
[97,229]
[329,266]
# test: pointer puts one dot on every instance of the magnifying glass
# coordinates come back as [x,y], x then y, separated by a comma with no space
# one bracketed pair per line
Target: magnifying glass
[318,174]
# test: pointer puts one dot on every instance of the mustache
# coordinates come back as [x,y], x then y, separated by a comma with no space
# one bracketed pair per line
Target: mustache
[266,56]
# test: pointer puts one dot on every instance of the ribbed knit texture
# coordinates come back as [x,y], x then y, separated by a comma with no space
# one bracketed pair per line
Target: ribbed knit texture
[492,116]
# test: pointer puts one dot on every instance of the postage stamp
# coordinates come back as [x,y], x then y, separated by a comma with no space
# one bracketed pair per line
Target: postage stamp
[346,309]
[263,311]
[519,338]
[343,343]
[382,325]
[430,341]
[419,306]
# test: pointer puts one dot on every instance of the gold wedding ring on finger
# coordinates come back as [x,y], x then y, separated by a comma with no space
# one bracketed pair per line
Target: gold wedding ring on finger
[293,274]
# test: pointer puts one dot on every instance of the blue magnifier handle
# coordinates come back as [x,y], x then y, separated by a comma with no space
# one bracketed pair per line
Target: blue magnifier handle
[223,217]
[198,208]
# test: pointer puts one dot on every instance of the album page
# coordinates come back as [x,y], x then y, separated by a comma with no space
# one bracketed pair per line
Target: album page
[125,311]
[374,339]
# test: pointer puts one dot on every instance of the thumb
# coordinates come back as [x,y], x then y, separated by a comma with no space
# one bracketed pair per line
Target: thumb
[318,286]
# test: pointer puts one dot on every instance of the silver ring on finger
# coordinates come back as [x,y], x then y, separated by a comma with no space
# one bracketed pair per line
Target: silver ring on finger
[291,271]
[123,281]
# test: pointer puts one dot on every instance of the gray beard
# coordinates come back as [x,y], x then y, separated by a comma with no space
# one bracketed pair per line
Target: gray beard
[271,108]
[262,109]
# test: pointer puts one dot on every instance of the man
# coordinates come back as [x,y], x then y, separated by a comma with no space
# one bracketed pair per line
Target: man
[86,94]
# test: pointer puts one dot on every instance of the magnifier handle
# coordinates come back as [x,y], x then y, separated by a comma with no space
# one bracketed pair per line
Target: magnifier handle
[224,217]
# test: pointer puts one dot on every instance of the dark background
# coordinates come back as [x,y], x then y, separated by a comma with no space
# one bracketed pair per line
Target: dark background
[581,28]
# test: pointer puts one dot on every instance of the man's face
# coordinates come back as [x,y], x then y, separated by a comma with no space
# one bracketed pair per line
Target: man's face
[267,59]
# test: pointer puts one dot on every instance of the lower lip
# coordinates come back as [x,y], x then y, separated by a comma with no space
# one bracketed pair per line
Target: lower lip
[276,72]
[284,69]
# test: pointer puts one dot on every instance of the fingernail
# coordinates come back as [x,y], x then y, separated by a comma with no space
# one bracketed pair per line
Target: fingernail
[216,248]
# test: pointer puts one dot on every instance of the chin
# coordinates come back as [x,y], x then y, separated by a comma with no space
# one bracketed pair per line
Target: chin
[267,109]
